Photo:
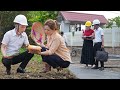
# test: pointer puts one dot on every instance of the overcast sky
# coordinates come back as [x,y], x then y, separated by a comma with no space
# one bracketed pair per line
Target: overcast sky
[107,14]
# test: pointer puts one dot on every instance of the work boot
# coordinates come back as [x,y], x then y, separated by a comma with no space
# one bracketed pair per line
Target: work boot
[101,68]
[8,71]
[20,70]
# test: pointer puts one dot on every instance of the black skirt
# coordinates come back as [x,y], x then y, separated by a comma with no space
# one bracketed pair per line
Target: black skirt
[87,56]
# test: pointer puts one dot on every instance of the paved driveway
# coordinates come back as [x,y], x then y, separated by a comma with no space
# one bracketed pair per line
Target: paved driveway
[87,73]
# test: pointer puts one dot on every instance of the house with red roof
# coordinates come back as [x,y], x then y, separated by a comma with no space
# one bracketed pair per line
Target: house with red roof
[67,20]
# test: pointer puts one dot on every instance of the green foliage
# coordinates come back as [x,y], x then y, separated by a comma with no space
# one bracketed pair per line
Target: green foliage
[0,56]
[7,17]
[117,20]
[110,22]
[41,16]
[6,20]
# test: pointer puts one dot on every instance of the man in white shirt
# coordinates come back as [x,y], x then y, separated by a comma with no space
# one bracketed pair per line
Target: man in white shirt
[12,41]
[99,41]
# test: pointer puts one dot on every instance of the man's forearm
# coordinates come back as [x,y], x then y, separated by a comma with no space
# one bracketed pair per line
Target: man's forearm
[3,50]
[102,41]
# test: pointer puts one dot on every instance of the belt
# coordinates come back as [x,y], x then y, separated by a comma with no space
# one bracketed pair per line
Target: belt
[10,57]
[97,42]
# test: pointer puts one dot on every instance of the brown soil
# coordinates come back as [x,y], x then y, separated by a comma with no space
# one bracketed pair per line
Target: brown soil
[33,71]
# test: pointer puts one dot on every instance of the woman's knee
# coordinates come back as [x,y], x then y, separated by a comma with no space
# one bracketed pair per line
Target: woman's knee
[44,60]
[65,64]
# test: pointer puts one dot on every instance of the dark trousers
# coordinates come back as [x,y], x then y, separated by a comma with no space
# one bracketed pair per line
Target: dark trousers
[54,60]
[24,57]
[97,46]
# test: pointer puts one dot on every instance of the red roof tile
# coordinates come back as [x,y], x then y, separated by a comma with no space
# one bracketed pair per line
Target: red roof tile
[82,17]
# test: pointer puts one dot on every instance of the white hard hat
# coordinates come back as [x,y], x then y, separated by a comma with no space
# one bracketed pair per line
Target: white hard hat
[96,21]
[21,19]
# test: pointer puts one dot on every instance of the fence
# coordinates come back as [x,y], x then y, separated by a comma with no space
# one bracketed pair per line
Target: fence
[111,37]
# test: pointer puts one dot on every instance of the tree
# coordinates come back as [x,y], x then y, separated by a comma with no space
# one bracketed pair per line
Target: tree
[41,16]
[117,20]
[110,22]
[6,20]
[7,17]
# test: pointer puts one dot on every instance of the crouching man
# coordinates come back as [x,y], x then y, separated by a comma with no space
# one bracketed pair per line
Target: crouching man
[12,41]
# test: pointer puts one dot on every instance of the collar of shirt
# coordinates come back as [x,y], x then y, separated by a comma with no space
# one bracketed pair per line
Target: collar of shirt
[14,33]
[97,29]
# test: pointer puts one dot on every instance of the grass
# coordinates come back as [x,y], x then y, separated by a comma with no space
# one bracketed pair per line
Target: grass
[0,56]
[35,57]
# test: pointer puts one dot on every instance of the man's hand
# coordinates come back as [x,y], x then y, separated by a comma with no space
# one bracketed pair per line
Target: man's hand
[34,49]
[102,46]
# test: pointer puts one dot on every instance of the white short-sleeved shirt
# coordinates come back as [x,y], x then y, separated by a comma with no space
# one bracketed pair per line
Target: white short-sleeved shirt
[98,34]
[14,42]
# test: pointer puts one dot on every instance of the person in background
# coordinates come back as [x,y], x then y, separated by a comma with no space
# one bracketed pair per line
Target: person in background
[64,36]
[87,56]
[55,53]
[12,41]
[98,42]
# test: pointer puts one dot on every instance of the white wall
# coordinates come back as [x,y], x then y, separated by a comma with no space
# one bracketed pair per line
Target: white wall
[75,40]
[64,27]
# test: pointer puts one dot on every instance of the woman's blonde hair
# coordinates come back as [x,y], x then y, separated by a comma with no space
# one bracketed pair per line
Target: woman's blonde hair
[53,24]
